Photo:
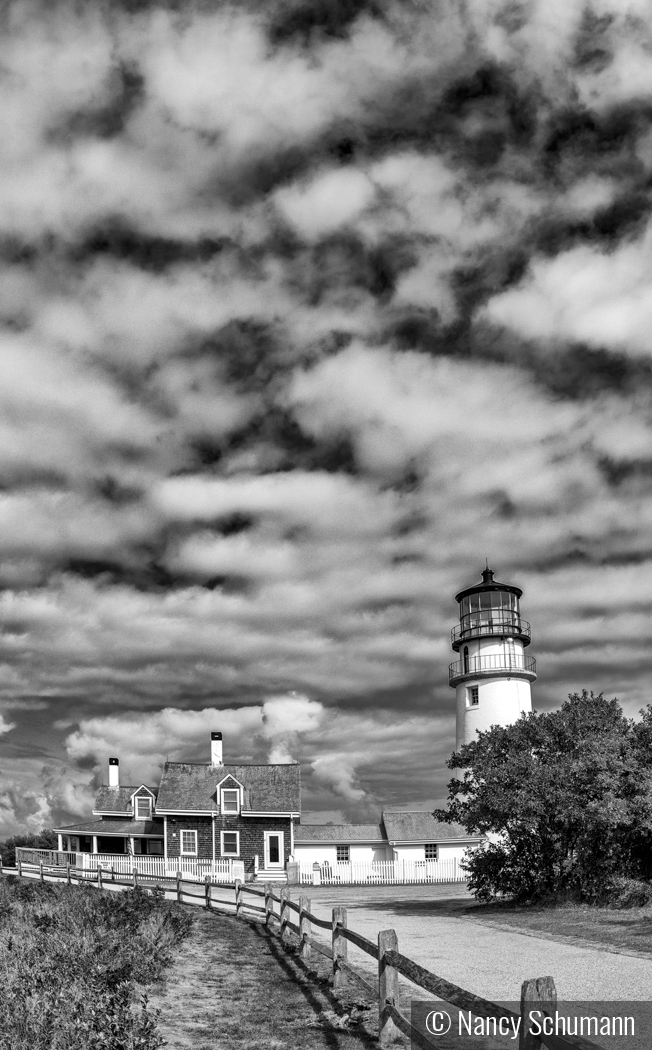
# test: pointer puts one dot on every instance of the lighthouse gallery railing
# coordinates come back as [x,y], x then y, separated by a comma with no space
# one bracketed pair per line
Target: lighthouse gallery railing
[490,664]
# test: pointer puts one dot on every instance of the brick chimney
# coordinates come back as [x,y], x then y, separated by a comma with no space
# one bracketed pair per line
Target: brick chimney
[114,772]
[216,749]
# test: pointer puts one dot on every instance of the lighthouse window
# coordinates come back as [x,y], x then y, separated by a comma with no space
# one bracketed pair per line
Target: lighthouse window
[474,695]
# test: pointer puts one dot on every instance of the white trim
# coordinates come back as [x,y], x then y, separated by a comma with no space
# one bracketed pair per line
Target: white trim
[187,831]
[165,837]
[268,813]
[436,840]
[213,835]
[238,802]
[184,812]
[111,813]
[280,864]
[143,798]
[291,838]
[224,832]
[140,788]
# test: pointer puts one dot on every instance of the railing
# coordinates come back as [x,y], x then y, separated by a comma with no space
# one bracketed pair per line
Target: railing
[472,626]
[152,867]
[535,994]
[384,873]
[479,665]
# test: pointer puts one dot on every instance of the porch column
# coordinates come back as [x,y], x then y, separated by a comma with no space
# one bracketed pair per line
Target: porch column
[60,843]
[131,845]
[94,843]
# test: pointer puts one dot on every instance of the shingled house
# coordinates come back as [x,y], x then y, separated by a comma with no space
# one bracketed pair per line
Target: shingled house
[201,814]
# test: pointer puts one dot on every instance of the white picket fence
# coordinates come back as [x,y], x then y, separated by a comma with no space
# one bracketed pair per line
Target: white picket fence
[384,873]
[155,867]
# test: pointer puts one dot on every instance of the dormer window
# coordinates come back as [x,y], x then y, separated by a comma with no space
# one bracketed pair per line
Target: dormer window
[143,807]
[230,800]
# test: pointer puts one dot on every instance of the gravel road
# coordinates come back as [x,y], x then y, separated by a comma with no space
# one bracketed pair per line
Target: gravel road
[489,962]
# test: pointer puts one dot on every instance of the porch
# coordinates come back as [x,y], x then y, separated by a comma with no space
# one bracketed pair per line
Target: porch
[154,867]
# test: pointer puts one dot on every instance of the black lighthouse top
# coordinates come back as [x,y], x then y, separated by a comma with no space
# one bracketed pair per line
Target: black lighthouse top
[490,608]
[488,584]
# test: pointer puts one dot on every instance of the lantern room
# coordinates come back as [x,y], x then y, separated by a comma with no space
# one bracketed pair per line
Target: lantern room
[489,609]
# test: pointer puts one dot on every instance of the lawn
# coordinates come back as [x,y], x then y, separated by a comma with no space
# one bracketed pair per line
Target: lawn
[625,930]
[76,963]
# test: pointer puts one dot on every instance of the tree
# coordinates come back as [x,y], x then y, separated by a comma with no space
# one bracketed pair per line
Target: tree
[42,840]
[565,798]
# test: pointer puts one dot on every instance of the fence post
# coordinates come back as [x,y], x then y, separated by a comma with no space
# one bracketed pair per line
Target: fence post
[207,891]
[269,903]
[304,928]
[238,898]
[40,870]
[19,864]
[134,875]
[540,991]
[68,873]
[387,988]
[112,874]
[99,877]
[179,887]
[284,912]
[340,948]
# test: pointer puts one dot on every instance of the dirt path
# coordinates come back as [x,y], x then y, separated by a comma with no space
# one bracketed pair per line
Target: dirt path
[234,987]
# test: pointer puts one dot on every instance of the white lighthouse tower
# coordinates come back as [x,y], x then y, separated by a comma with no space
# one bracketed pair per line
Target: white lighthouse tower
[492,676]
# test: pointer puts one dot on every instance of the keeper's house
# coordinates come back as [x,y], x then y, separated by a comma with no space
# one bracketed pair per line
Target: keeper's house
[202,818]
[244,821]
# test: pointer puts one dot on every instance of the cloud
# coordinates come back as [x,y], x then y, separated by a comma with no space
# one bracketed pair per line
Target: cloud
[584,295]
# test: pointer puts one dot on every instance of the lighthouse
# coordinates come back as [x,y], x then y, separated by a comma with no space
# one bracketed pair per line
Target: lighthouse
[492,676]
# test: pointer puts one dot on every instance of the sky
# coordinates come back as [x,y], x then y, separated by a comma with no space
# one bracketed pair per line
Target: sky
[307,308]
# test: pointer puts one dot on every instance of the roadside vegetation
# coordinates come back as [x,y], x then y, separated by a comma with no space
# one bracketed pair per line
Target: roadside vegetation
[566,801]
[75,965]
[42,840]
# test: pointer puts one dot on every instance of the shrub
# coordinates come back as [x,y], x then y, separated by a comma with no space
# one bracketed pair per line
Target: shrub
[43,840]
[74,963]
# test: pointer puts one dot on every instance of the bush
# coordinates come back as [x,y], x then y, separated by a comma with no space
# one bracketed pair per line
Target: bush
[74,964]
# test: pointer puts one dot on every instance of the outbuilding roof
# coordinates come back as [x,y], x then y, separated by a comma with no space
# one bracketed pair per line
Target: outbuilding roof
[114,827]
[189,787]
[421,826]
[117,800]
[339,833]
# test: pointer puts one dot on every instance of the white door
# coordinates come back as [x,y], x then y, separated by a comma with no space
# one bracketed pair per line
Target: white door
[274,849]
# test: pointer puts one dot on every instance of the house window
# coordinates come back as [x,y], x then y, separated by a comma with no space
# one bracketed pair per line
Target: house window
[431,851]
[143,808]
[188,843]
[155,847]
[473,694]
[230,843]
[342,854]
[230,800]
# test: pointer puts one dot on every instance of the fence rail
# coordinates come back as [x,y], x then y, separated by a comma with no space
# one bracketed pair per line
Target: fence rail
[383,873]
[390,961]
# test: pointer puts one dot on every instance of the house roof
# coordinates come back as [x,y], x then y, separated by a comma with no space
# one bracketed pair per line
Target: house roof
[190,787]
[114,827]
[117,800]
[339,833]
[421,826]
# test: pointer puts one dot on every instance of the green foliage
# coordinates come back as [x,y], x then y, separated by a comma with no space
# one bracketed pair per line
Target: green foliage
[566,799]
[43,840]
[74,963]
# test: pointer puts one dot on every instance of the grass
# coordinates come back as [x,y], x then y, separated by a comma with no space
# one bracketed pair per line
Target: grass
[629,930]
[234,986]
[75,964]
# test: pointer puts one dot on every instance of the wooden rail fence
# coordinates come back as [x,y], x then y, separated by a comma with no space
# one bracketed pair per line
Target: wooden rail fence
[391,963]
